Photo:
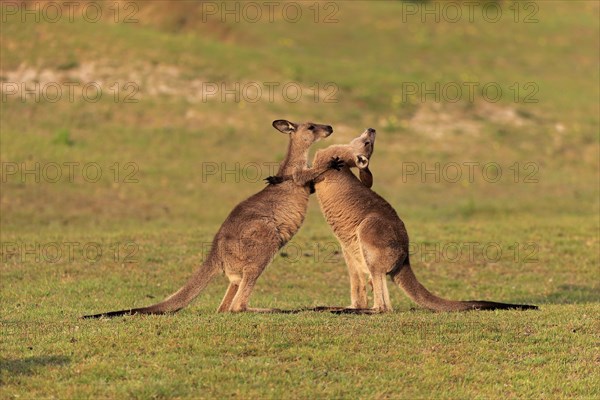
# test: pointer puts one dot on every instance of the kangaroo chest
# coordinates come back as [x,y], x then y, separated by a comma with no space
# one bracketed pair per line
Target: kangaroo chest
[289,212]
[342,209]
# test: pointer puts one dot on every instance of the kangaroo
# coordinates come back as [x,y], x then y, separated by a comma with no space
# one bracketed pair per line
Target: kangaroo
[252,233]
[374,239]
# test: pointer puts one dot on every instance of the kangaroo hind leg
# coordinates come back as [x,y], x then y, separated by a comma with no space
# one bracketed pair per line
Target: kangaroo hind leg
[380,251]
[229,296]
[358,289]
[242,297]
[247,256]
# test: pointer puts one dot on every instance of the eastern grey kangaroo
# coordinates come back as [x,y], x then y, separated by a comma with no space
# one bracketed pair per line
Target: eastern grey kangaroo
[252,233]
[373,237]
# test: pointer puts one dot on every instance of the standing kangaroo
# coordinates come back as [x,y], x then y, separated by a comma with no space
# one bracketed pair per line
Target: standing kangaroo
[252,233]
[373,238]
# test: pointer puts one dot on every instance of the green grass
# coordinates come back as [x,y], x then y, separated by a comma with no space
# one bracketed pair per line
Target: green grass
[305,355]
[152,212]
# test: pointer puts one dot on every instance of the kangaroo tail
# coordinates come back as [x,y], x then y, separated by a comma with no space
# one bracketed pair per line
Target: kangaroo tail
[178,300]
[404,277]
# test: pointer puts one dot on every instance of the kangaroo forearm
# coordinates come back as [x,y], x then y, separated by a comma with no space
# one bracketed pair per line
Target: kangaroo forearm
[302,178]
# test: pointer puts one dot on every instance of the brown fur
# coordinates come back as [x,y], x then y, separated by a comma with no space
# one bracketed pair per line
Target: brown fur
[252,233]
[373,238]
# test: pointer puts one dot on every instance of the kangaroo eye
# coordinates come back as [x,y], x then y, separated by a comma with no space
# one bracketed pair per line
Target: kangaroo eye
[311,128]
[367,143]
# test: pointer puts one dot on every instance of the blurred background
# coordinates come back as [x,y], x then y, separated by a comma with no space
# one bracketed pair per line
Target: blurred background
[149,121]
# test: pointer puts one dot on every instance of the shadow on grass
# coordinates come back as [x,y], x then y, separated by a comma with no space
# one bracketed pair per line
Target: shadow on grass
[26,366]
[566,294]
[325,309]
[570,294]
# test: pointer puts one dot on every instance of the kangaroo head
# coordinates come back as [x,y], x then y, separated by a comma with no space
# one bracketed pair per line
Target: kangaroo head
[362,150]
[303,134]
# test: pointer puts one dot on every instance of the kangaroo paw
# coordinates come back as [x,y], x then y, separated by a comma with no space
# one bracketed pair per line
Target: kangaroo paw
[336,163]
[273,180]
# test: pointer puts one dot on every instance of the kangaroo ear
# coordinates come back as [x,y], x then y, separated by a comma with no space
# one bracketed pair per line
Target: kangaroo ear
[366,177]
[361,161]
[284,126]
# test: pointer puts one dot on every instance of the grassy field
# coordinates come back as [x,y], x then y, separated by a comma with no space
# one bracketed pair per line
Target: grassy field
[110,198]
